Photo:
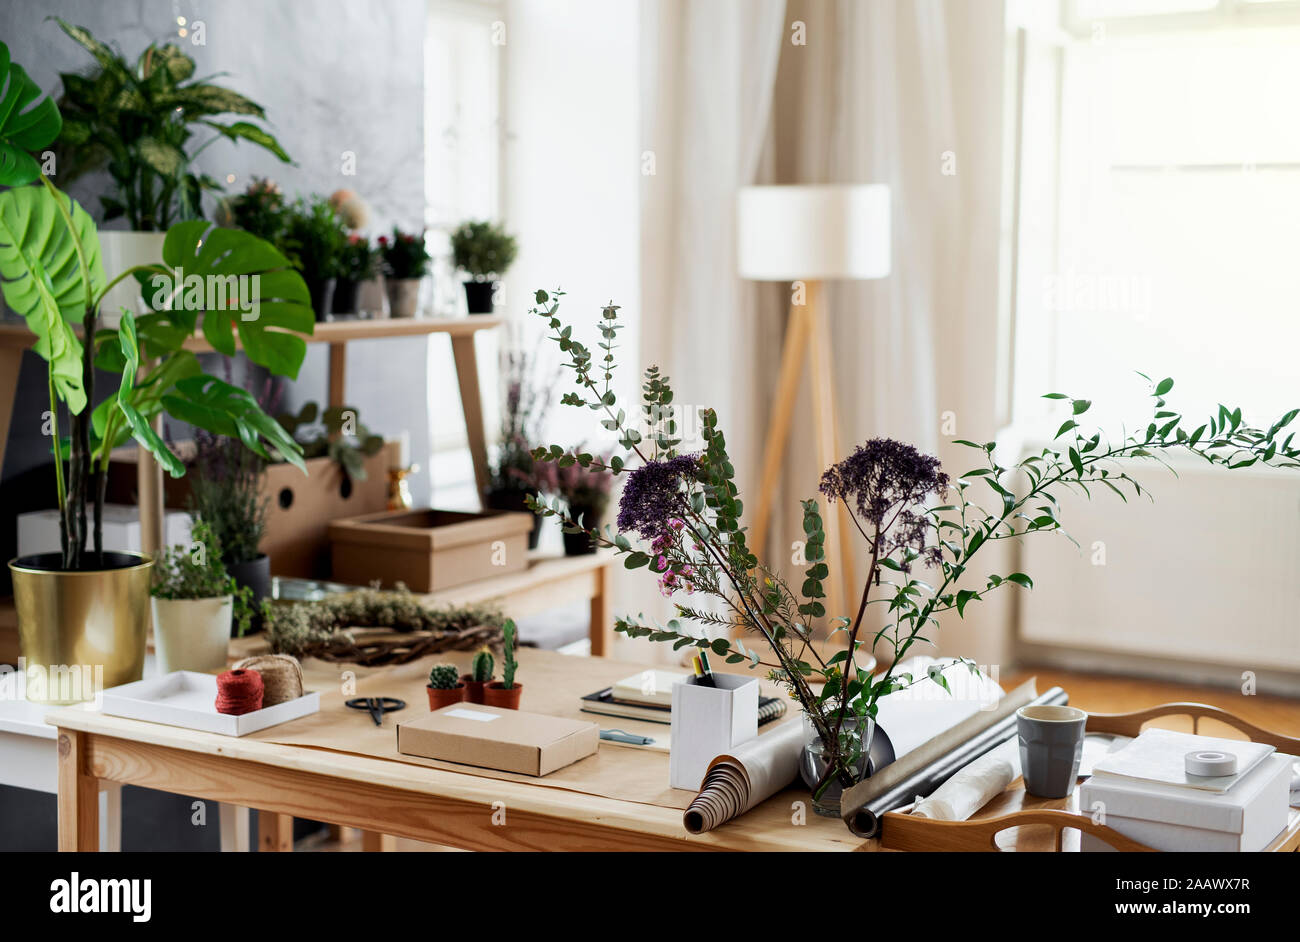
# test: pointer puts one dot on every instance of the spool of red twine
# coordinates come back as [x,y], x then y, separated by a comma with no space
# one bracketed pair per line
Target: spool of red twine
[239,692]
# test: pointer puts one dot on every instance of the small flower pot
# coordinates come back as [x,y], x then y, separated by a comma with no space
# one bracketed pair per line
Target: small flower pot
[322,296]
[497,694]
[439,698]
[345,297]
[192,634]
[478,296]
[473,688]
[403,296]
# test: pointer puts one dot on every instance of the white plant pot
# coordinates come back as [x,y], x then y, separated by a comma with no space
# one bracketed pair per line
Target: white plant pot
[192,634]
[120,251]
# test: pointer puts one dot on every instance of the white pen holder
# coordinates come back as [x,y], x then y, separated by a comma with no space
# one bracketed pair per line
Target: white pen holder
[708,721]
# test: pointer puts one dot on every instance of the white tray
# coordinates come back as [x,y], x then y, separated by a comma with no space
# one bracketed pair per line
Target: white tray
[188,699]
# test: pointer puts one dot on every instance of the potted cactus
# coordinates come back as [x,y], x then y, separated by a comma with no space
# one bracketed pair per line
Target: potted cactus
[505,692]
[479,676]
[444,687]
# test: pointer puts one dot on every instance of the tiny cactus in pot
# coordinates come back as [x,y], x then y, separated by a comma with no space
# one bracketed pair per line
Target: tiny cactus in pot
[445,687]
[505,693]
[480,674]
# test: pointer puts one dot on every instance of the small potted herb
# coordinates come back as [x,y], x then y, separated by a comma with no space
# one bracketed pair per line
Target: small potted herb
[483,251]
[259,209]
[444,687]
[479,676]
[315,238]
[227,496]
[405,260]
[195,603]
[505,692]
[359,264]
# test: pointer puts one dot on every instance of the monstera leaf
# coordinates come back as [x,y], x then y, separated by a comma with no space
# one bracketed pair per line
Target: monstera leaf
[241,284]
[141,430]
[227,410]
[42,276]
[23,127]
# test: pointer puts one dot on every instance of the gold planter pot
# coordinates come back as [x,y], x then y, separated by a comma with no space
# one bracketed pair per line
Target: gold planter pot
[80,632]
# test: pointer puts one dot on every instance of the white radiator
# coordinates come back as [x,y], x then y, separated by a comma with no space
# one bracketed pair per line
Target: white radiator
[1209,572]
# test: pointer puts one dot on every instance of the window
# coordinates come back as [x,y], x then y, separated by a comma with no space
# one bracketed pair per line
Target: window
[462,167]
[1158,185]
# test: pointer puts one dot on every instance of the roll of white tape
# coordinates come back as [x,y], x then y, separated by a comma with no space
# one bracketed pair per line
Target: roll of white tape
[1210,762]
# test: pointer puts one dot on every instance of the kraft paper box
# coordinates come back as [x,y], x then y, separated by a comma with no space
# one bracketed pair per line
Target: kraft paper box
[506,740]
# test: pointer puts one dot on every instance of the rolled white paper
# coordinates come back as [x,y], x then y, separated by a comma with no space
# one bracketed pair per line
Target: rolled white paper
[971,788]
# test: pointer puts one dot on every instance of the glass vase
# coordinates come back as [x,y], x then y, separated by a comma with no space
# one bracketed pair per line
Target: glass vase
[855,736]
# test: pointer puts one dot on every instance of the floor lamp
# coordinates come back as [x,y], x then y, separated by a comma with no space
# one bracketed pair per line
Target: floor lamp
[808,235]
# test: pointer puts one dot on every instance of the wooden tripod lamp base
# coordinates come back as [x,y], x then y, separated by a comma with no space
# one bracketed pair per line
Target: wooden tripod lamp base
[808,235]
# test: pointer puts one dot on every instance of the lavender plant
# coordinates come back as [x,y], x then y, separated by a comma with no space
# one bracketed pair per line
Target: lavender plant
[680,516]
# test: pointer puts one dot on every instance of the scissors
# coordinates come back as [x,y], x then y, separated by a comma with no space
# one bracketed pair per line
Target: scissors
[377,706]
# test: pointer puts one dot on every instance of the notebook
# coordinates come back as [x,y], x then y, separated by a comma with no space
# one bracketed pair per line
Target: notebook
[651,687]
[1157,756]
[602,702]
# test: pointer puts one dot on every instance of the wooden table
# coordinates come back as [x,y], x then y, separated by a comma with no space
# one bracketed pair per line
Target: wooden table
[385,797]
[15,338]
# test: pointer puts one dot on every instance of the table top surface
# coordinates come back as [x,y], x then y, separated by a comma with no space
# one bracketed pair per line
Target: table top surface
[777,824]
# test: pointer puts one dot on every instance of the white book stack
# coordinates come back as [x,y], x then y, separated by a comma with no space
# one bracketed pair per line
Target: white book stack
[1144,792]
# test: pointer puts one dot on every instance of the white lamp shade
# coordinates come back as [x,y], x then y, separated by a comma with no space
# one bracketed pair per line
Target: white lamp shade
[802,233]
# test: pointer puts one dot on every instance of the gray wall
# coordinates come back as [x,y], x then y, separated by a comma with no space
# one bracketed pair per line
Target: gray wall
[334,76]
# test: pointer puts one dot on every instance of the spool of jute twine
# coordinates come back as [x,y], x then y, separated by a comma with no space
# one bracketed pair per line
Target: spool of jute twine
[281,676]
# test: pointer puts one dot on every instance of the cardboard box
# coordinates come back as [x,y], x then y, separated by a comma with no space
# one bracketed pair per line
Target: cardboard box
[1169,817]
[506,740]
[708,721]
[429,550]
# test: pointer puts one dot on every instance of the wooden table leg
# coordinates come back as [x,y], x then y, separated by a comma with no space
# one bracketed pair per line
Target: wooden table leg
[462,348]
[233,822]
[338,374]
[374,842]
[274,832]
[110,817]
[599,630]
[78,796]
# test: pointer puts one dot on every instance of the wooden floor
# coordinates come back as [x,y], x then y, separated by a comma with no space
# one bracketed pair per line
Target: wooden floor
[1098,693]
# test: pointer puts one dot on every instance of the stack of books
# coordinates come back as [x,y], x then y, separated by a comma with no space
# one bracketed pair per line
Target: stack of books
[648,696]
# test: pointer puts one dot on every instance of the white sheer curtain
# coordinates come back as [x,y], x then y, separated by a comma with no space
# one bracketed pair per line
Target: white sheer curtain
[825,91]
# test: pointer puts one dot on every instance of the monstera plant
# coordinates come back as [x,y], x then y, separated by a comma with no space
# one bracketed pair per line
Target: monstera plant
[226,282]
[52,275]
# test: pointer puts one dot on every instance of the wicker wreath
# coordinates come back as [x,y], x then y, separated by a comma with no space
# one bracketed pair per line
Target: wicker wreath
[372,628]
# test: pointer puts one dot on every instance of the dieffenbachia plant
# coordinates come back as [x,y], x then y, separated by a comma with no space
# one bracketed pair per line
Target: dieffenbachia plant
[680,515]
[52,274]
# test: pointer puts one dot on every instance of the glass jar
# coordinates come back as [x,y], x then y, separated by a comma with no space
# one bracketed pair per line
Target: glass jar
[855,735]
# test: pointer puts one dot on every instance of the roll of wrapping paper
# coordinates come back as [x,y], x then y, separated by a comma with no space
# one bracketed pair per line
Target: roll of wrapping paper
[751,773]
[928,766]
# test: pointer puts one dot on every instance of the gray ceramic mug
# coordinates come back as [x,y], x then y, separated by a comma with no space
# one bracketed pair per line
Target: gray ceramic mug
[1051,744]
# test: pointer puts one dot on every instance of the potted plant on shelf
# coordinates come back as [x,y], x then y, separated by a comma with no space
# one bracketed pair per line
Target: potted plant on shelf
[226,496]
[405,260]
[197,605]
[505,692]
[339,434]
[359,264]
[585,492]
[444,686]
[513,473]
[84,606]
[259,209]
[138,121]
[680,517]
[314,237]
[483,251]
[479,676]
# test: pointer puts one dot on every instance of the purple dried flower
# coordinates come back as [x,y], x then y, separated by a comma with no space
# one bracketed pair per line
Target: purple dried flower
[653,495]
[885,482]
